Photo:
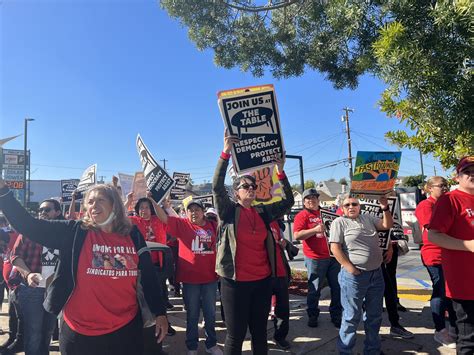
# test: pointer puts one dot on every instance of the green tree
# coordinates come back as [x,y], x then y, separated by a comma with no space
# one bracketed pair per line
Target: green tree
[421,49]
[343,181]
[309,184]
[413,180]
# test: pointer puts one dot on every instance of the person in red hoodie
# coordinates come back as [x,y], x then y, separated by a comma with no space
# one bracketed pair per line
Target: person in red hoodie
[452,228]
[435,187]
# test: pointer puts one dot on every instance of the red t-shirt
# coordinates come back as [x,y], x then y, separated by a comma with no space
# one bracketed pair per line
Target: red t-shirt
[105,296]
[316,246]
[431,253]
[197,250]
[453,214]
[154,231]
[251,259]
[281,270]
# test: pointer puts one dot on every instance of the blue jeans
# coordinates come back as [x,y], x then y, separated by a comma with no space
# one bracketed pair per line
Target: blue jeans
[318,270]
[196,296]
[439,303]
[38,324]
[357,292]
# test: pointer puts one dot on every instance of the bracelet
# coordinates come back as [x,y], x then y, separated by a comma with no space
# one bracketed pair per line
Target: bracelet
[28,274]
[385,209]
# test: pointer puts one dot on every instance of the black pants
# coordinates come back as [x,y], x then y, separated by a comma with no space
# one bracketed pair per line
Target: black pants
[246,304]
[282,307]
[390,294]
[127,340]
[465,322]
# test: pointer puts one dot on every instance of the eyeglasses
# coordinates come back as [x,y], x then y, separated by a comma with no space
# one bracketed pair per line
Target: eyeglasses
[45,210]
[247,186]
[353,204]
[441,186]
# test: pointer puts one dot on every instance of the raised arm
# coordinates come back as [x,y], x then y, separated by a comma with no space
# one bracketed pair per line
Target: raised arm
[48,233]
[223,203]
[160,213]
[387,221]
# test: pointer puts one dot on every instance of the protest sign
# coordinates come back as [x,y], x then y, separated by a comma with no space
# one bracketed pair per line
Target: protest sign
[88,178]
[126,182]
[67,189]
[375,173]
[158,181]
[178,192]
[269,189]
[372,207]
[206,200]
[327,217]
[252,115]
[138,188]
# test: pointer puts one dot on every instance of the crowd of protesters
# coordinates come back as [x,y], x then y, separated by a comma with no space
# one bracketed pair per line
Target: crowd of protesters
[94,278]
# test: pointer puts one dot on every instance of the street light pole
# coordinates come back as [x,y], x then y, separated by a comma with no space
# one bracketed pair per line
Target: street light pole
[25,157]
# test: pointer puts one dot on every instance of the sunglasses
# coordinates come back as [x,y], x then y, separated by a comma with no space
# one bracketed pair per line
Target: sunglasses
[45,210]
[353,204]
[248,186]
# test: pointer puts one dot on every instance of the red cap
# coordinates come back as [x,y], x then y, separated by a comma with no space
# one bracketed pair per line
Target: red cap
[464,163]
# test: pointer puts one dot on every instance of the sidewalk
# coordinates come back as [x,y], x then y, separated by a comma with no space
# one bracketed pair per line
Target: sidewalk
[321,340]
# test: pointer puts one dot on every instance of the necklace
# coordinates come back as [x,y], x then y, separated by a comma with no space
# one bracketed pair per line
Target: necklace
[252,221]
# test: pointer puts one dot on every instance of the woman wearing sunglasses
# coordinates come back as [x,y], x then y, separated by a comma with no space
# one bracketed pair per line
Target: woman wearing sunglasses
[246,258]
[355,244]
[436,187]
[95,282]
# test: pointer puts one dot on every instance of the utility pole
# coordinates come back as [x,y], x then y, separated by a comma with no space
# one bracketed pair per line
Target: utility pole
[348,131]
[434,168]
[300,159]
[164,163]
[422,169]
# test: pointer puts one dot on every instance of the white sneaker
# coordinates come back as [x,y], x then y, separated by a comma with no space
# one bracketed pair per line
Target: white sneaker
[444,339]
[215,350]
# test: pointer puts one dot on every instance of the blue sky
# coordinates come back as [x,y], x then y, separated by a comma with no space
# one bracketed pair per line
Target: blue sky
[93,74]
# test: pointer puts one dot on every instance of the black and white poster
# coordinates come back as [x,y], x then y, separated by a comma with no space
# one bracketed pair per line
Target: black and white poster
[206,200]
[252,115]
[328,217]
[178,192]
[372,207]
[67,189]
[88,178]
[158,181]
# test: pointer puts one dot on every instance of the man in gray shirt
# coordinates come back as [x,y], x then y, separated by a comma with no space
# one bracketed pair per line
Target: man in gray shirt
[355,244]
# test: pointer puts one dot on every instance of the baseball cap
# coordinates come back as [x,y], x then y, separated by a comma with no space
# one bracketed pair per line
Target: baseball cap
[195,202]
[464,163]
[211,210]
[310,192]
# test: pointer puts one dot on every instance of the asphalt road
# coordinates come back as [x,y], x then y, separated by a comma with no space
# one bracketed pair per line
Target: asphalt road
[409,267]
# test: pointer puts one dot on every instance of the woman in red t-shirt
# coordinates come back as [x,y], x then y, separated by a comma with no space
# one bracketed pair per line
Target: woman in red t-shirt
[95,282]
[435,187]
[246,252]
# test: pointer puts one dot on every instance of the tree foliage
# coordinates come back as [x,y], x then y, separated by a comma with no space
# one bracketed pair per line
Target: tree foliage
[422,50]
[413,181]
[309,184]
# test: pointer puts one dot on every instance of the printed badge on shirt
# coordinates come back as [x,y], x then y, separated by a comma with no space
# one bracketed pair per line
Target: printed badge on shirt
[49,259]
[202,242]
[316,221]
[113,261]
